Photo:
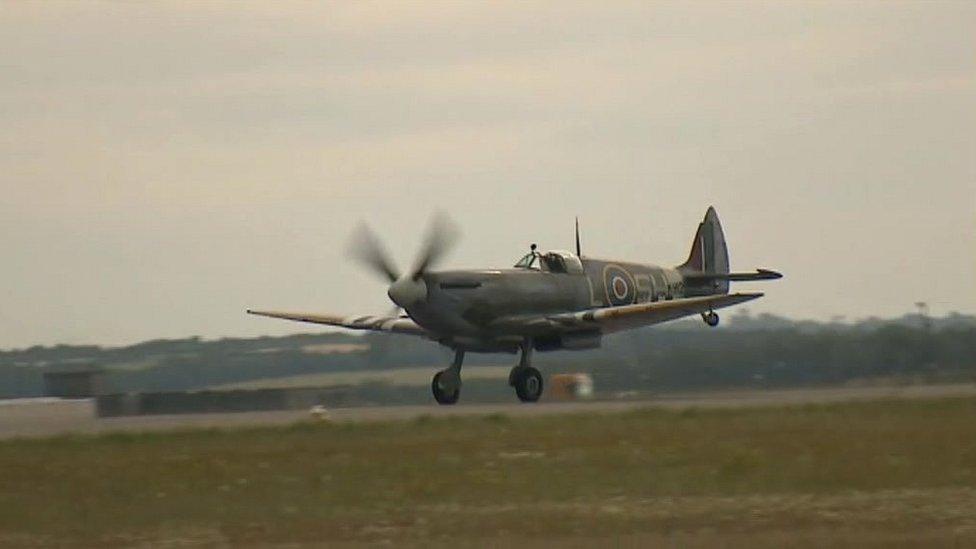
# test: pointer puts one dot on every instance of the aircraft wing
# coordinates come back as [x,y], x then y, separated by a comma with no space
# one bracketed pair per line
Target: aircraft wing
[615,319]
[400,325]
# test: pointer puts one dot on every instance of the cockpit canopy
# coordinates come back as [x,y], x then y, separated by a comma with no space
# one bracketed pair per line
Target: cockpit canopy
[551,262]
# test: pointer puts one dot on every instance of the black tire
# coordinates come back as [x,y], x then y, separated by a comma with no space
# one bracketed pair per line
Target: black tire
[442,396]
[528,384]
[712,319]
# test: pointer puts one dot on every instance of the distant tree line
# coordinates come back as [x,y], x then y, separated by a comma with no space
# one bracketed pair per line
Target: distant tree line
[684,360]
[763,351]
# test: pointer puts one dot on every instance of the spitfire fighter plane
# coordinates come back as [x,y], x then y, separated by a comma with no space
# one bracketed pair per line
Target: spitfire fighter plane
[548,301]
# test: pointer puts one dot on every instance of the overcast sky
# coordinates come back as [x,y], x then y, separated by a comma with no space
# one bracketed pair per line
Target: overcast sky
[165,166]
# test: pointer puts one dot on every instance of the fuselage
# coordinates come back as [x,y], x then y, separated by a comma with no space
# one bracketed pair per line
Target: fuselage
[467,307]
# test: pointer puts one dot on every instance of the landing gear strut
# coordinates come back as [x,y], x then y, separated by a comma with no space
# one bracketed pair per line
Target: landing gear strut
[710,318]
[446,384]
[526,379]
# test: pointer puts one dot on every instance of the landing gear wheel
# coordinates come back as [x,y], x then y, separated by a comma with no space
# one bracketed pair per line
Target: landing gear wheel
[711,318]
[442,394]
[528,383]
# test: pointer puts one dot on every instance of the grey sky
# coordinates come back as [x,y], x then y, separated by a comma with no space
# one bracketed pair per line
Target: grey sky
[164,166]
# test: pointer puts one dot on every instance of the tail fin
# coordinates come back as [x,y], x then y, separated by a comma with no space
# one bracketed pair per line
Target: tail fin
[709,254]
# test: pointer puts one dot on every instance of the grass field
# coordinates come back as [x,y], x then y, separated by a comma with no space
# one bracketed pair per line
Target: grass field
[882,473]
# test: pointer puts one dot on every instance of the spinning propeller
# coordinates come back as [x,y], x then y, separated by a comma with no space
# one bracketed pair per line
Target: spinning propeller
[407,289]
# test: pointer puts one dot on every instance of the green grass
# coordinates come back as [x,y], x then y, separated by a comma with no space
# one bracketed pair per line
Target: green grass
[898,466]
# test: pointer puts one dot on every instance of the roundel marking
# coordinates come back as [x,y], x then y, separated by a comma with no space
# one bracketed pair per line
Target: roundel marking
[619,285]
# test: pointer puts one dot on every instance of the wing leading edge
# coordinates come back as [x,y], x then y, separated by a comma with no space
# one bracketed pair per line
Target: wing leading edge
[625,317]
[605,319]
[398,325]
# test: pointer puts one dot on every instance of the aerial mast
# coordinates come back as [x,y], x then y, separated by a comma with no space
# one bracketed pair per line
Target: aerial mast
[578,252]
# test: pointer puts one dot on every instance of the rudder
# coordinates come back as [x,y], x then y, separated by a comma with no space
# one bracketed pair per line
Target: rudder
[709,253]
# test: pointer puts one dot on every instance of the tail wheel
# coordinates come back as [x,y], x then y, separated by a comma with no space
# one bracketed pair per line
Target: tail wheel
[442,394]
[711,318]
[528,384]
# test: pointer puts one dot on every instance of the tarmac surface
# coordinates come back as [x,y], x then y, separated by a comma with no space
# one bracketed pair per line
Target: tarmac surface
[42,417]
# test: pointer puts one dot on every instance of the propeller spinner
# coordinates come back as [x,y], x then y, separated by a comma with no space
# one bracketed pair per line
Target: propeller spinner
[408,289]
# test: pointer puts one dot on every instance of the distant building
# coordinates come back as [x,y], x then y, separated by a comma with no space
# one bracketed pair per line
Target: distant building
[74,382]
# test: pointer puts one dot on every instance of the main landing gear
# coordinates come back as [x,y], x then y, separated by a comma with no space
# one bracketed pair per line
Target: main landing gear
[526,379]
[710,318]
[446,385]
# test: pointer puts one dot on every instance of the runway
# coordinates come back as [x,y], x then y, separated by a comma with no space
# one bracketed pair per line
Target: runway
[50,417]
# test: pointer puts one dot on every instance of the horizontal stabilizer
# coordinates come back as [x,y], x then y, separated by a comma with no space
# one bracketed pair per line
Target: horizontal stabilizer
[760,274]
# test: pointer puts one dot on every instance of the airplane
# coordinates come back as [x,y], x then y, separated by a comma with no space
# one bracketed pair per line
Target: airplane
[547,301]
